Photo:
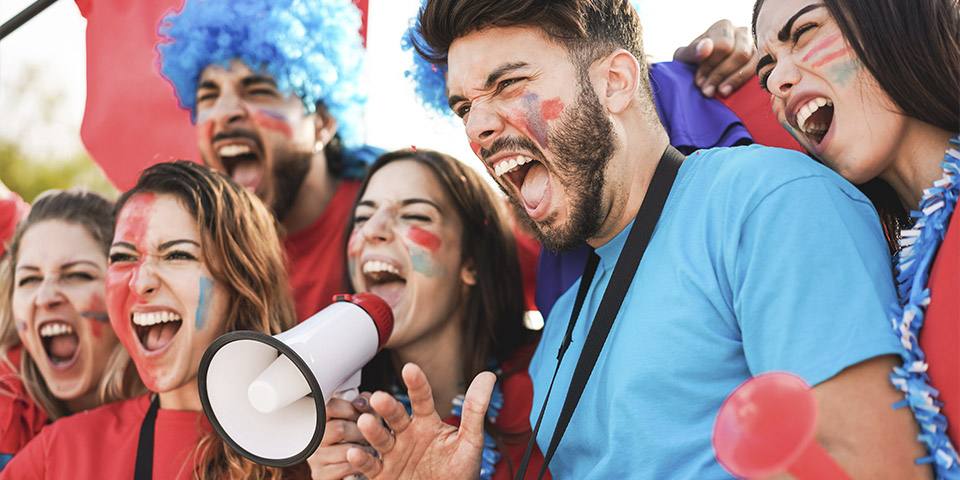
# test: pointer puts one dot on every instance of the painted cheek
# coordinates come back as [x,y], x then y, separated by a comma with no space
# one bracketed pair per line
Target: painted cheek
[205,131]
[203,302]
[119,299]
[551,109]
[820,46]
[424,239]
[476,149]
[355,244]
[531,118]
[96,312]
[274,121]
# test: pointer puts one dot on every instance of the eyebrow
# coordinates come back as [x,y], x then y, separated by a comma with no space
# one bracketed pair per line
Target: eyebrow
[166,245]
[62,267]
[255,79]
[124,244]
[492,79]
[208,85]
[784,34]
[404,203]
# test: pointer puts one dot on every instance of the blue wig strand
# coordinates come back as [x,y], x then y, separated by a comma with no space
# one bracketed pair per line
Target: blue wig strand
[311,48]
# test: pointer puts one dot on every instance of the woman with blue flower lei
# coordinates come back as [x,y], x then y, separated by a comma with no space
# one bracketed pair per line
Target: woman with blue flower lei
[872,89]
[431,238]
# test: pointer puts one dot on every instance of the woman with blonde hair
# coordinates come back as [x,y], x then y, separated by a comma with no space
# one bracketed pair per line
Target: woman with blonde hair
[55,342]
[193,256]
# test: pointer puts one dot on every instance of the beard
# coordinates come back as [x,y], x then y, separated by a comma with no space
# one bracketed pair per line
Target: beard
[583,142]
[289,171]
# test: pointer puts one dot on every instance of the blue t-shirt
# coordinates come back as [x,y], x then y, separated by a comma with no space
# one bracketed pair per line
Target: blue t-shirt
[762,260]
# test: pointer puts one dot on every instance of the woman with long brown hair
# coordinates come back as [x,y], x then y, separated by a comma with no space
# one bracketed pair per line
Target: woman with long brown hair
[872,89]
[55,340]
[432,239]
[193,256]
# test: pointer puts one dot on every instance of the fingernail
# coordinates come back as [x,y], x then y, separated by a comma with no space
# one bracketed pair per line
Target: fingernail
[726,90]
[360,403]
[708,90]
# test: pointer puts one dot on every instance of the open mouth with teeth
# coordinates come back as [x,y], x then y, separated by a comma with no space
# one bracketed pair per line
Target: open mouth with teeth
[528,175]
[384,280]
[815,118]
[243,163]
[156,330]
[60,342]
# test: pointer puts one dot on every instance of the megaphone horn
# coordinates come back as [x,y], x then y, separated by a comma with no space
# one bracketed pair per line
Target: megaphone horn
[266,395]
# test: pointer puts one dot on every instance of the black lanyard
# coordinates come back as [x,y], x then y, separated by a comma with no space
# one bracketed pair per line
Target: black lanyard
[620,280]
[143,468]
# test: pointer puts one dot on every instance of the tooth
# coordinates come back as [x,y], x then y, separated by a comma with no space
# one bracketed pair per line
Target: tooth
[165,317]
[821,101]
[69,329]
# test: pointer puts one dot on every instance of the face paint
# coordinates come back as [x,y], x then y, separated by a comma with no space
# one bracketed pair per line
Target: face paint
[532,118]
[97,315]
[273,121]
[131,227]
[354,245]
[424,239]
[206,288]
[830,57]
[551,108]
[205,130]
[422,263]
[476,149]
[821,46]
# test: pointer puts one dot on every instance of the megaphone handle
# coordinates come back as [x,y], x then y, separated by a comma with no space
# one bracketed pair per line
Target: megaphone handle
[816,464]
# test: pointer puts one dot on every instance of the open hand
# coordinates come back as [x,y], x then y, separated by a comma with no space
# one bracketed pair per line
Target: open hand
[422,447]
[726,55]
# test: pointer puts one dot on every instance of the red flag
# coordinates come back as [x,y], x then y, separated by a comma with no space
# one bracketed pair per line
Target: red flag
[132,119]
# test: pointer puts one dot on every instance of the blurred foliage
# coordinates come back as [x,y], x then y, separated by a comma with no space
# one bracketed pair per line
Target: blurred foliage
[30,176]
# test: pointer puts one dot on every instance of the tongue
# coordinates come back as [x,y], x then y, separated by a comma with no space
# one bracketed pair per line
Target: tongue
[390,292]
[63,346]
[247,175]
[160,335]
[534,186]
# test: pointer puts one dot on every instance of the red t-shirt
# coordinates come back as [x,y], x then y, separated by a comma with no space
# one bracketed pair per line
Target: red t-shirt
[12,210]
[752,105]
[102,443]
[20,418]
[315,255]
[940,336]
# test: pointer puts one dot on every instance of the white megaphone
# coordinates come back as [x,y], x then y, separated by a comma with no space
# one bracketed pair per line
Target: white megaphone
[266,395]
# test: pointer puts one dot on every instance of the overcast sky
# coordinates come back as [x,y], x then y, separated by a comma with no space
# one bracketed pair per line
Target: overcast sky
[53,45]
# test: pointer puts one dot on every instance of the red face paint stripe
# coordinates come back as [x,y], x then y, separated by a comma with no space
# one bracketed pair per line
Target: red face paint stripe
[424,239]
[272,121]
[821,46]
[831,57]
[551,108]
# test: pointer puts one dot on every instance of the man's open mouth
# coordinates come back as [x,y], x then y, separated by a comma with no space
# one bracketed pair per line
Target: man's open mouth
[383,278]
[242,158]
[60,342]
[528,175]
[814,119]
[156,330]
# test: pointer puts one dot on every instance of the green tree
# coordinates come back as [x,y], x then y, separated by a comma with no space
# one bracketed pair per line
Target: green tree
[30,176]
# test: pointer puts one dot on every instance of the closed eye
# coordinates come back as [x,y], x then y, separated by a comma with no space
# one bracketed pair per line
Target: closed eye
[28,280]
[121,257]
[179,255]
[798,33]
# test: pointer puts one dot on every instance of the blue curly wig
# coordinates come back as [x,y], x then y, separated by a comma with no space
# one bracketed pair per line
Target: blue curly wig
[429,79]
[312,48]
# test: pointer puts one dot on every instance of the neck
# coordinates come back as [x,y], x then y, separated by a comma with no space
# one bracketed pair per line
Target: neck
[184,397]
[916,163]
[314,195]
[628,176]
[86,402]
[439,355]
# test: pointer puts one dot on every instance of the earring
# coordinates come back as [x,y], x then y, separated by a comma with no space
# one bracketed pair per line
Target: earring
[318,146]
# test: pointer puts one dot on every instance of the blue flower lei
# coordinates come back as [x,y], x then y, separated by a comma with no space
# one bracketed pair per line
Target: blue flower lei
[920,245]
[490,455]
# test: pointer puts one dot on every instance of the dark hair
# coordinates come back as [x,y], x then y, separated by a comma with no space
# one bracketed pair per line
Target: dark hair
[240,246]
[588,29]
[493,319]
[912,48]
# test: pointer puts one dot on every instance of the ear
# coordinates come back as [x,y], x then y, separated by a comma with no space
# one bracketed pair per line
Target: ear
[468,274]
[325,125]
[620,77]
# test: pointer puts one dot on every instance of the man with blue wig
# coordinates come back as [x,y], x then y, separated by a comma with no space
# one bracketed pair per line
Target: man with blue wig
[273,89]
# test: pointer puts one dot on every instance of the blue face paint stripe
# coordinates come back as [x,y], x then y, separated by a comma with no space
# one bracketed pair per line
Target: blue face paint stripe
[206,287]
[98,316]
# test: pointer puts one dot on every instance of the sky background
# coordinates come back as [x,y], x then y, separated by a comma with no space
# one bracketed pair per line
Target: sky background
[49,54]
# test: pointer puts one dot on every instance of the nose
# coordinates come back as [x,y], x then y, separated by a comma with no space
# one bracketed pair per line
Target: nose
[483,124]
[782,78]
[144,280]
[49,294]
[379,227]
[229,109]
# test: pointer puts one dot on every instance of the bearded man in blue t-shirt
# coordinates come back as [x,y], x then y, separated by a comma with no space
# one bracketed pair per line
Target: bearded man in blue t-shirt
[761,260]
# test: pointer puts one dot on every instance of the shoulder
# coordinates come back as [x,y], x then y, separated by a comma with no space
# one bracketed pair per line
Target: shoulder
[749,175]
[93,423]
